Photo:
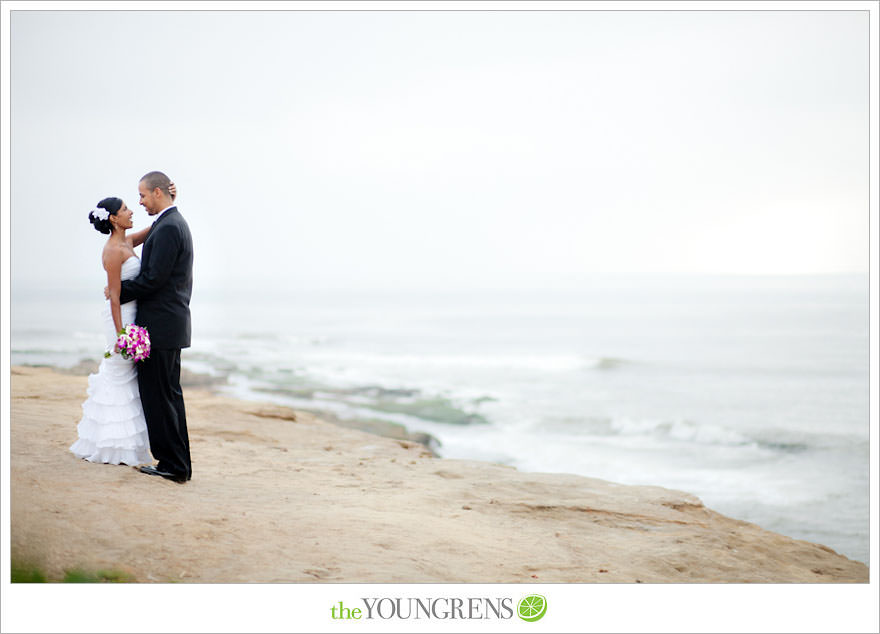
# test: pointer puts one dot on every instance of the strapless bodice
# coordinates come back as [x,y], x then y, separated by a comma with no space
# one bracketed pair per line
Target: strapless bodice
[130,268]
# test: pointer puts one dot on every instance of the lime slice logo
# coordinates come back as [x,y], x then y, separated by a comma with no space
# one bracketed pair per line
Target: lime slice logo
[532,608]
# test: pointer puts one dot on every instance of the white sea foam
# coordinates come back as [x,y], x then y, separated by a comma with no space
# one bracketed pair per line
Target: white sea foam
[531,363]
[681,430]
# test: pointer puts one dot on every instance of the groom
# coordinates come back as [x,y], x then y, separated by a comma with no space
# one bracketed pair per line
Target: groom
[162,290]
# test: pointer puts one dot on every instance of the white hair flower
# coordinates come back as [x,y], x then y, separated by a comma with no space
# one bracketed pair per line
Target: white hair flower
[101,214]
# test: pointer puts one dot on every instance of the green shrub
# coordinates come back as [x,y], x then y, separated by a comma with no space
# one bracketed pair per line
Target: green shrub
[27,574]
[77,575]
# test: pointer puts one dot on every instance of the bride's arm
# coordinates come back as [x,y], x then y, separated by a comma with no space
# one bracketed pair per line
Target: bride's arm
[137,238]
[113,265]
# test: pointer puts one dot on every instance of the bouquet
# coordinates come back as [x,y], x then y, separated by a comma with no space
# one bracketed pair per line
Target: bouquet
[133,343]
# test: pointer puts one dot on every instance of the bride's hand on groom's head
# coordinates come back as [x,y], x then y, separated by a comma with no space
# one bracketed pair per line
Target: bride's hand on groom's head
[172,189]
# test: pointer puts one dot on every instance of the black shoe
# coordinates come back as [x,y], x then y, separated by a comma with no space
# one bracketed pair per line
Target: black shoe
[151,470]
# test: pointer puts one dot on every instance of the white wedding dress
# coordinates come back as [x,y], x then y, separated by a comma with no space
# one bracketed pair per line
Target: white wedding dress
[113,429]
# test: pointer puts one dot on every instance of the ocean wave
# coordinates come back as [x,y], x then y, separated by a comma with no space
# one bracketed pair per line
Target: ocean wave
[259,336]
[214,363]
[683,431]
[544,363]
[437,410]
[609,363]
[23,331]
[269,338]
[382,401]
[16,350]
[529,362]
[691,432]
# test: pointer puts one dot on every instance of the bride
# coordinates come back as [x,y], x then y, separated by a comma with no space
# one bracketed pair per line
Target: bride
[113,429]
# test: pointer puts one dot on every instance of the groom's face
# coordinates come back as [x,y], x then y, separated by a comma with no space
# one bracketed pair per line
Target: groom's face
[148,199]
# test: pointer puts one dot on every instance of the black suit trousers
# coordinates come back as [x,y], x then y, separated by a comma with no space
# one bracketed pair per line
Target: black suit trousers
[162,400]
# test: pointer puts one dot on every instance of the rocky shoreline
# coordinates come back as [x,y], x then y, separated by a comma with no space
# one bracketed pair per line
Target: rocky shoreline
[282,496]
[195,380]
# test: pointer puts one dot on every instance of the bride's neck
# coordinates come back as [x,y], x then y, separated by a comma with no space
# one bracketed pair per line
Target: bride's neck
[118,235]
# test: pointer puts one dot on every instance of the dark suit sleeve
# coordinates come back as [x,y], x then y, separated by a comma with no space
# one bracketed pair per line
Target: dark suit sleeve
[164,247]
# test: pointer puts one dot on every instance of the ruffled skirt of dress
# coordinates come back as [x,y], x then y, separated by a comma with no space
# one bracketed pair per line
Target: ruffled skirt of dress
[113,429]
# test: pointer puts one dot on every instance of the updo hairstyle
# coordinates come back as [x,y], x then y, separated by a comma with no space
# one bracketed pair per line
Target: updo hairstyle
[111,205]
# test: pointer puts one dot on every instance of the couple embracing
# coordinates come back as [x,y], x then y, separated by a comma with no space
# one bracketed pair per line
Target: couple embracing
[136,409]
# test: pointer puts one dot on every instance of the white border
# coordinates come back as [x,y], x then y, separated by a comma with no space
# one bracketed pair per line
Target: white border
[5,290]
[439,5]
[573,608]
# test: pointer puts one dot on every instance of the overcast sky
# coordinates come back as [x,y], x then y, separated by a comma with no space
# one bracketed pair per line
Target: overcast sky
[446,147]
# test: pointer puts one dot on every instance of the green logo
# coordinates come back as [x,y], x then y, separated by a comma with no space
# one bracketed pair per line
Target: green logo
[532,608]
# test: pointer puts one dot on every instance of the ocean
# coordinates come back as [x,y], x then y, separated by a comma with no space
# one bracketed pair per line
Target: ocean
[750,392]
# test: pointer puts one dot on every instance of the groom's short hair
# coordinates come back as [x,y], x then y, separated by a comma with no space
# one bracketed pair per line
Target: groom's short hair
[157,179]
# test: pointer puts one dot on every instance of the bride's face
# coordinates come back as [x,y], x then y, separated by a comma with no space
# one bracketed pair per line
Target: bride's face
[123,217]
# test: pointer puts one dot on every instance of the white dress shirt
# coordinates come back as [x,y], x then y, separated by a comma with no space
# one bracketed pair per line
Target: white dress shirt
[159,215]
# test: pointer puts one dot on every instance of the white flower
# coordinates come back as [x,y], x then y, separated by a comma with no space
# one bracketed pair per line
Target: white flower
[101,214]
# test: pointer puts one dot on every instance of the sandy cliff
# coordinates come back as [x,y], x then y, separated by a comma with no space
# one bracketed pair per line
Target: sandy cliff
[279,496]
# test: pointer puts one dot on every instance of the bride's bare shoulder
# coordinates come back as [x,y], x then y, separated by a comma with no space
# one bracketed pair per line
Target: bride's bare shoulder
[114,254]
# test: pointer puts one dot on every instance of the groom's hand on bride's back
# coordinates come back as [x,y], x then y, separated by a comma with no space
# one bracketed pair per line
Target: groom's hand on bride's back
[106,292]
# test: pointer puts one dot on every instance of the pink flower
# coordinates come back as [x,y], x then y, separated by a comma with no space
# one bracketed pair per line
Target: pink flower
[134,343]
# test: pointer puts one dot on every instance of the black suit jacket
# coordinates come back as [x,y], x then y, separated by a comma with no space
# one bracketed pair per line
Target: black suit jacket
[164,286]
